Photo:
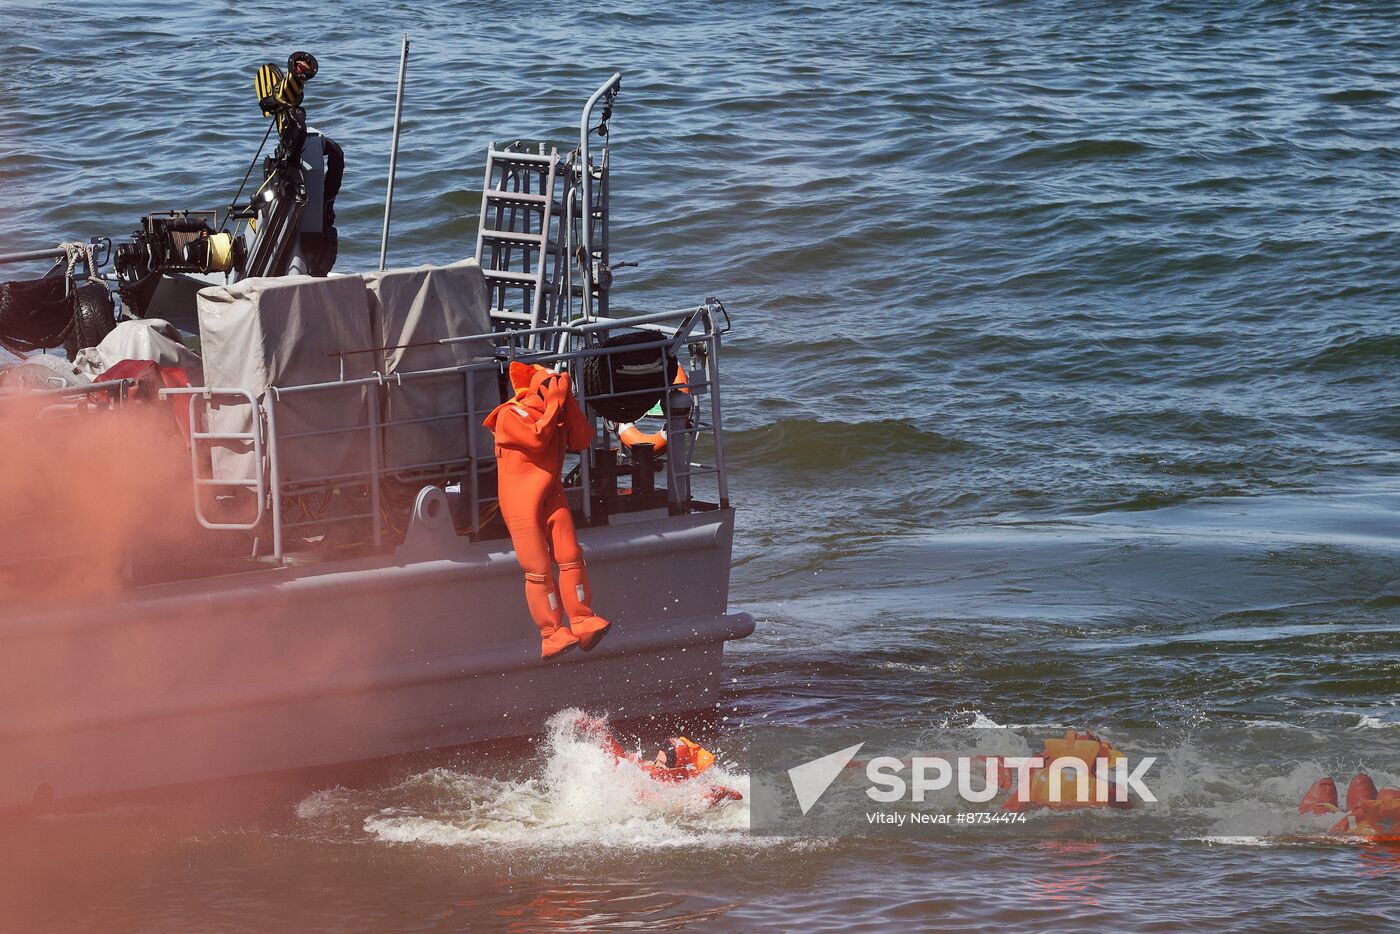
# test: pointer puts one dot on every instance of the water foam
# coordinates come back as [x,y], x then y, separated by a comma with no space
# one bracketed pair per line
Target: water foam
[579,796]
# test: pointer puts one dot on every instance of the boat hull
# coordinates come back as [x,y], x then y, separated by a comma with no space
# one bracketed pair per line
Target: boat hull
[342,662]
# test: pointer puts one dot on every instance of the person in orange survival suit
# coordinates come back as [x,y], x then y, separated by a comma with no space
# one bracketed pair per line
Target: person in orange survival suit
[532,431]
[1060,791]
[1369,813]
[679,759]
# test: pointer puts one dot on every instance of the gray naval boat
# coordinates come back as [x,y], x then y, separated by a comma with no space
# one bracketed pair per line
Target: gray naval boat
[332,582]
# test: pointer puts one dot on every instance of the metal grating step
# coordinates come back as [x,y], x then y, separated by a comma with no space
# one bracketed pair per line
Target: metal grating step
[495,194]
[511,156]
[511,236]
[501,275]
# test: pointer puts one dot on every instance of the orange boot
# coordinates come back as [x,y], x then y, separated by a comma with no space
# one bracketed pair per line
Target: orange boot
[1320,799]
[1360,790]
[1376,817]
[555,637]
[578,600]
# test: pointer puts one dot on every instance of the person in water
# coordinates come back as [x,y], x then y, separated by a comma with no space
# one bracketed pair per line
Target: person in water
[533,429]
[679,759]
[1369,813]
[1059,790]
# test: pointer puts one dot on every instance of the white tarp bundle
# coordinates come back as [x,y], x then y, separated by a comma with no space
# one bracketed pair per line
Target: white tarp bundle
[287,331]
[148,339]
[413,309]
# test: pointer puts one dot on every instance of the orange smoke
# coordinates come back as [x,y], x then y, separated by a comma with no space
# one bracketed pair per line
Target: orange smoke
[87,492]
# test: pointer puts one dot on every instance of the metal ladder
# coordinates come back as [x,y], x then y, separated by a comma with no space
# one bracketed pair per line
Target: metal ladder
[519,240]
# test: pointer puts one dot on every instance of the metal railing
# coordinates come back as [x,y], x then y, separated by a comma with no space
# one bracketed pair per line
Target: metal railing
[281,512]
[201,442]
[358,497]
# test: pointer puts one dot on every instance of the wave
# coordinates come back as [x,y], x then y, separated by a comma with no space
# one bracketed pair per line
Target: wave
[1079,150]
[811,444]
[1358,351]
[1357,96]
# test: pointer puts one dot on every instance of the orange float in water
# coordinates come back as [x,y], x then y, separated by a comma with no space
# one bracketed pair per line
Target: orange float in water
[532,431]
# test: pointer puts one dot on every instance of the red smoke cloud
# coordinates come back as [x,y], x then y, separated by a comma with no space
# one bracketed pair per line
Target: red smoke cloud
[87,492]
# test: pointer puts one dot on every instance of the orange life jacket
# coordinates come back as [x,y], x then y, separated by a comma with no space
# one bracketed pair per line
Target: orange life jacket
[1060,789]
[1378,818]
[691,760]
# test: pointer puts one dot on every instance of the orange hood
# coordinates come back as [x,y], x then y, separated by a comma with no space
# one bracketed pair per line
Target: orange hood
[544,403]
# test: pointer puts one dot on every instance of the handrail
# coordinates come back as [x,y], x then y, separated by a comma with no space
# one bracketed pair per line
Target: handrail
[196,436]
[608,324]
[83,390]
[540,357]
[584,131]
[597,324]
[101,253]
[27,255]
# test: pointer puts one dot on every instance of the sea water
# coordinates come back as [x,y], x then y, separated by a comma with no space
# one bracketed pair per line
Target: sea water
[1062,391]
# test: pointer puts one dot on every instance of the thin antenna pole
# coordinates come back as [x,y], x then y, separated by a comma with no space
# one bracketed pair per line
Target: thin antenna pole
[393,153]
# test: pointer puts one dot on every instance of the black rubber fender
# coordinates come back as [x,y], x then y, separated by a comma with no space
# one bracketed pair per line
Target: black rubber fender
[94,317]
[629,371]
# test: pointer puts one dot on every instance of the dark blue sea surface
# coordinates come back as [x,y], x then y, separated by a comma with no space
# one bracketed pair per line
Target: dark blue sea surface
[1062,390]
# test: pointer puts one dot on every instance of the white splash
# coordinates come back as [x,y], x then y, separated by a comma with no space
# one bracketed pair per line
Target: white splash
[323,802]
[580,797]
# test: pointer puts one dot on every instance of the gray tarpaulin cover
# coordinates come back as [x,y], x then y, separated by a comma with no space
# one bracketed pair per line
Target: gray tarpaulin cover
[422,305]
[148,339]
[283,332]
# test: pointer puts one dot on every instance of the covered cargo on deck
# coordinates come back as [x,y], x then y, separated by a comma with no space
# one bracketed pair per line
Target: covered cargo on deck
[433,423]
[283,332]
